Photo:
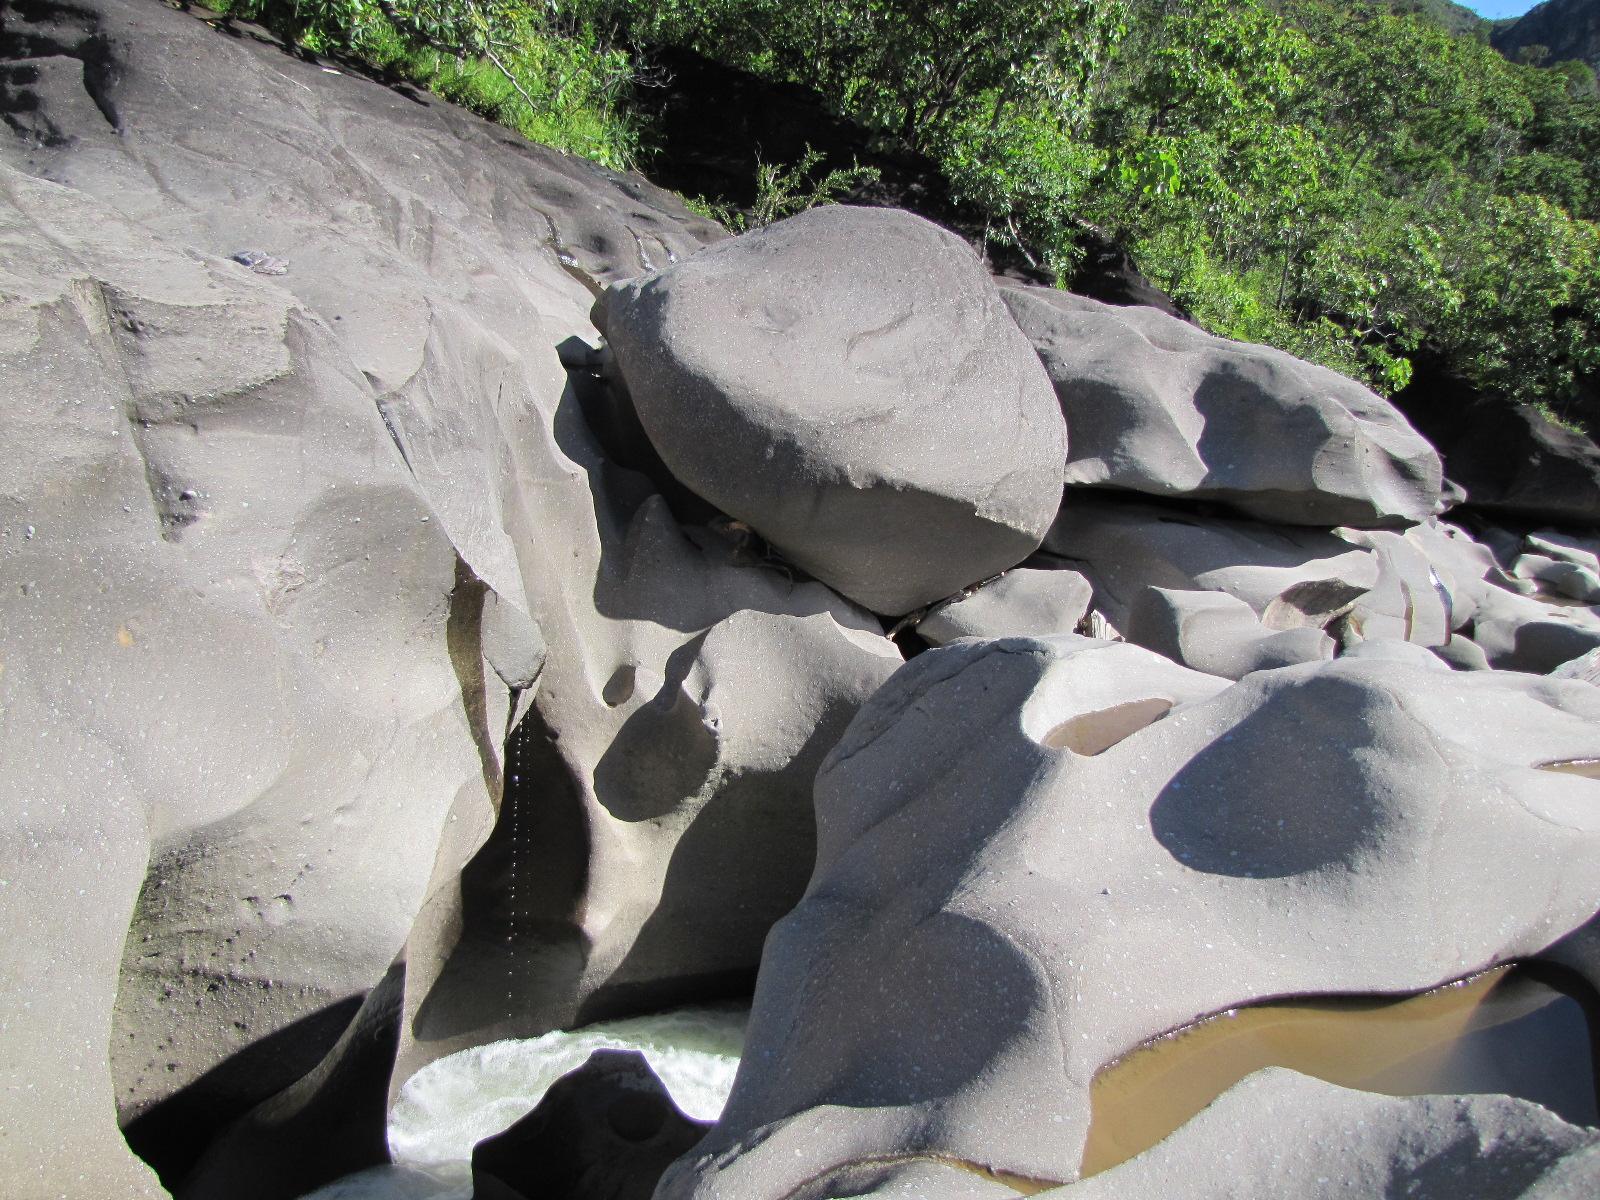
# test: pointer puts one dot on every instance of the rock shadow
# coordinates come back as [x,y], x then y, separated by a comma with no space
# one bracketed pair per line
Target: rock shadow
[172,1135]
[666,750]
[650,569]
[1286,791]
[720,881]
[521,948]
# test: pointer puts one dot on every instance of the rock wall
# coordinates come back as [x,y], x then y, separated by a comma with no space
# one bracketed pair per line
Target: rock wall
[296,562]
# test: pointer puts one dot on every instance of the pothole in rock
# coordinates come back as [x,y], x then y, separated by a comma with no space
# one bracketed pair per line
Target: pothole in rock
[1095,732]
[452,1104]
[1502,1032]
[1589,768]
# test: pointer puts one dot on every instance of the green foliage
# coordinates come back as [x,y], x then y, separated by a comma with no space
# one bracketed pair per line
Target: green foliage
[784,191]
[1346,180]
[531,67]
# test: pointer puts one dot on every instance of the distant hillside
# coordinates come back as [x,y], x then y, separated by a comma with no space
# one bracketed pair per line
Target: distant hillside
[1454,17]
[1568,28]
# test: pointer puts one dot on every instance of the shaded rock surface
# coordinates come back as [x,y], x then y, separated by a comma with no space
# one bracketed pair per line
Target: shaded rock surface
[604,1132]
[1036,855]
[1511,460]
[849,383]
[1155,405]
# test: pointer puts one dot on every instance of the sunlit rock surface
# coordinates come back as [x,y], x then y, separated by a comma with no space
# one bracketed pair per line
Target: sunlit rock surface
[1036,855]
[1155,405]
[849,382]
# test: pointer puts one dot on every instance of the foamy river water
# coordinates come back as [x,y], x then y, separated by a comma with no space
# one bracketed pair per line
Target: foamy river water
[450,1105]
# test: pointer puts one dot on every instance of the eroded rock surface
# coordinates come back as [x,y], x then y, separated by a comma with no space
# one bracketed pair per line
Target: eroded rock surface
[849,383]
[1027,601]
[295,564]
[1036,855]
[1155,405]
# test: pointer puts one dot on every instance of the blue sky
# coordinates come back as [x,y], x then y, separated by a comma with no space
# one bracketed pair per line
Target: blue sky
[1500,8]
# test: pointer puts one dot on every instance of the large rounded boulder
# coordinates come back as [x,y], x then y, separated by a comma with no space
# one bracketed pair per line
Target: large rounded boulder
[1160,407]
[850,384]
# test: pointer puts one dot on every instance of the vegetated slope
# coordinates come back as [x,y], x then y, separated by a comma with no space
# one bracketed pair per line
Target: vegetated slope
[1554,31]
[1456,18]
[1348,183]
[1336,179]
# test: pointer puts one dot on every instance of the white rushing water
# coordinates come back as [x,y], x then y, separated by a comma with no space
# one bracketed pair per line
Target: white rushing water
[450,1105]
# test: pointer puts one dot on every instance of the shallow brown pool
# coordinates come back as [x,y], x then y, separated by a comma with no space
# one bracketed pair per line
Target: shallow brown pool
[1589,768]
[1503,1031]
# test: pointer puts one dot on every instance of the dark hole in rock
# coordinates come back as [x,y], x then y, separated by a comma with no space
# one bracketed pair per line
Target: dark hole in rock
[1516,1031]
[1589,768]
[636,1118]
[1095,732]
[619,688]
[910,643]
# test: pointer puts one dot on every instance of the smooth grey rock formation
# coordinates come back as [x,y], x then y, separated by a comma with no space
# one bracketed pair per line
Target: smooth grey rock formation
[1521,633]
[1409,601]
[1025,601]
[603,1132]
[1561,577]
[849,383]
[1569,547]
[1279,1133]
[226,680]
[1464,568]
[294,564]
[906,1179]
[1424,658]
[1158,406]
[1585,667]
[1218,634]
[1353,584]
[1289,577]
[1461,653]
[1036,855]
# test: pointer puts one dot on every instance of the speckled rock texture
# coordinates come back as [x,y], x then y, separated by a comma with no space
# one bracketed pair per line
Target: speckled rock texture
[1026,601]
[1036,855]
[849,383]
[1158,406]
[296,565]
[1331,1143]
[1218,634]
[1368,584]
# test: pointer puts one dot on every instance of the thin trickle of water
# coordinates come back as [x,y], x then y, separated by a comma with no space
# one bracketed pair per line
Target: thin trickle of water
[509,798]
